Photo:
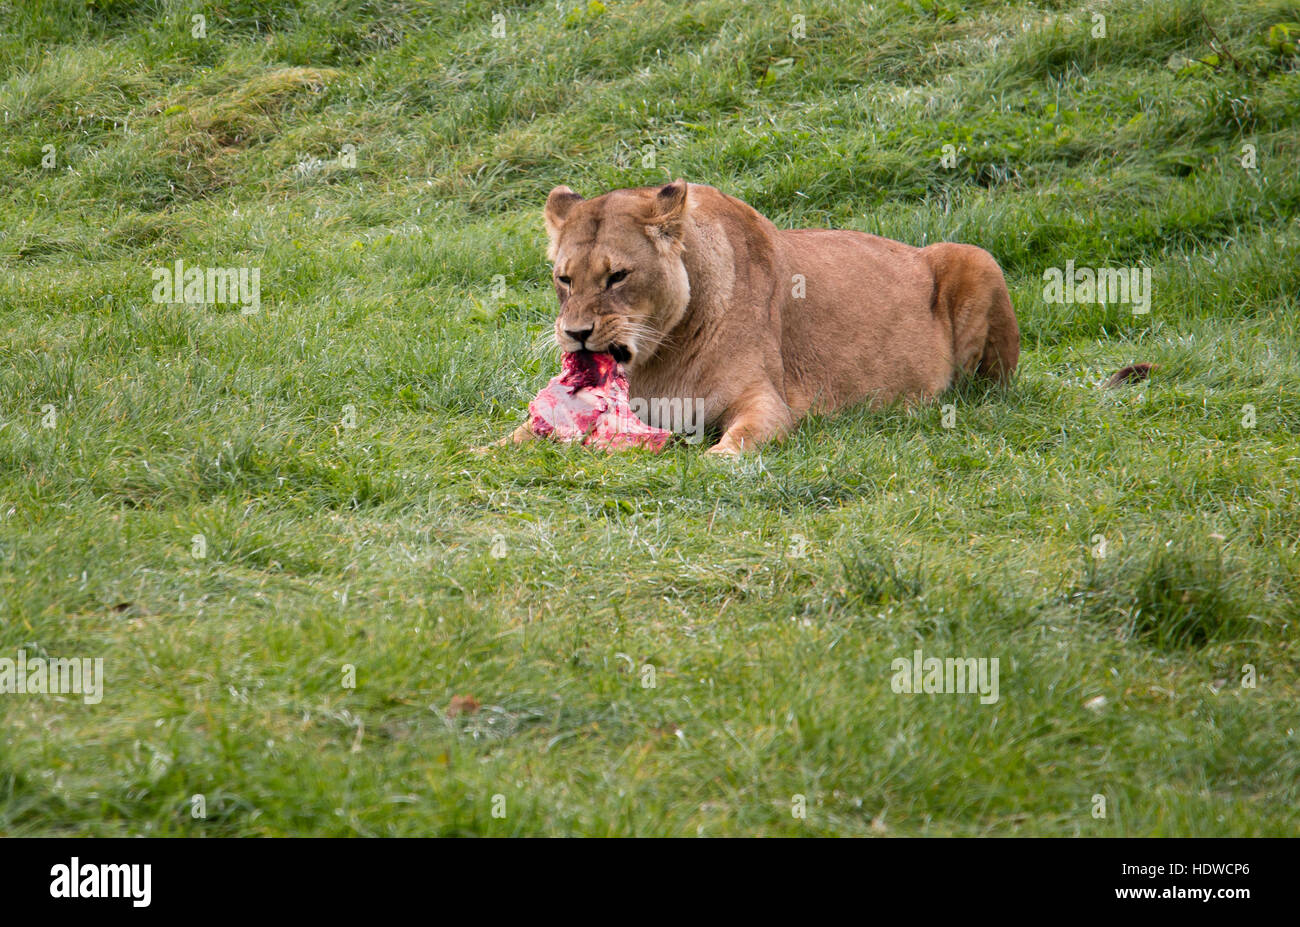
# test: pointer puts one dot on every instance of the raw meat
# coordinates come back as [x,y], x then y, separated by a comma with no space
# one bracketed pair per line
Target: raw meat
[588,403]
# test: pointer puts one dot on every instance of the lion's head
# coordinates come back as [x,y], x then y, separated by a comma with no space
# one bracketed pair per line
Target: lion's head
[618,268]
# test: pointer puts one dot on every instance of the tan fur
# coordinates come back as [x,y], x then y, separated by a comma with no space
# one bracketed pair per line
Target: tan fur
[710,308]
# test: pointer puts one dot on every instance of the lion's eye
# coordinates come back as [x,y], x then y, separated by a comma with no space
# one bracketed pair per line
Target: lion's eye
[617,276]
[564,281]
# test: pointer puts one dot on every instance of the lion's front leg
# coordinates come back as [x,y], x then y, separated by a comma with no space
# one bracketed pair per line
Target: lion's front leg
[518,436]
[758,418]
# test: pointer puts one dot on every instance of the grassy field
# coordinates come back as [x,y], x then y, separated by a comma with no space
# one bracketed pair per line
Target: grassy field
[319,613]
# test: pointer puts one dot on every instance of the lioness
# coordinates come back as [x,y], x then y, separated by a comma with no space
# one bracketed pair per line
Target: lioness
[700,296]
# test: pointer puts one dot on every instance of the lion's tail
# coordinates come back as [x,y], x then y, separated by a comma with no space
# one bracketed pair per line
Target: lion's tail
[1133,373]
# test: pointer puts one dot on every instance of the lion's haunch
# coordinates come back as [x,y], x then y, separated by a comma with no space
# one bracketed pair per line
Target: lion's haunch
[588,403]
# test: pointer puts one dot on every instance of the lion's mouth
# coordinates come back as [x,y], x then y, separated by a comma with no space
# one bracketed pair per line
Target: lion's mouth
[620,353]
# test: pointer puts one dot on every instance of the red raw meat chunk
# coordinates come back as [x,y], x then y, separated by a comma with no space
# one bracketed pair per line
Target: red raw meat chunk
[588,402]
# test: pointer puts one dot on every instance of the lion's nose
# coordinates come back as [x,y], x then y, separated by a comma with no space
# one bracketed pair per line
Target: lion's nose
[579,335]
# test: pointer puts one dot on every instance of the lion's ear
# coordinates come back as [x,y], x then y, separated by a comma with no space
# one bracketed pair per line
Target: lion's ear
[668,213]
[558,205]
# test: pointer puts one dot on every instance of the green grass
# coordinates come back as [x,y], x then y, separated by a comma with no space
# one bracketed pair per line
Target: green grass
[373,546]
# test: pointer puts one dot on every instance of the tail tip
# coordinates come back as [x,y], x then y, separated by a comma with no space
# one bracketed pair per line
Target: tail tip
[1133,373]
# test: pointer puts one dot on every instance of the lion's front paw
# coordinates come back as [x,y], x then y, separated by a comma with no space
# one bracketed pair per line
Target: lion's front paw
[518,436]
